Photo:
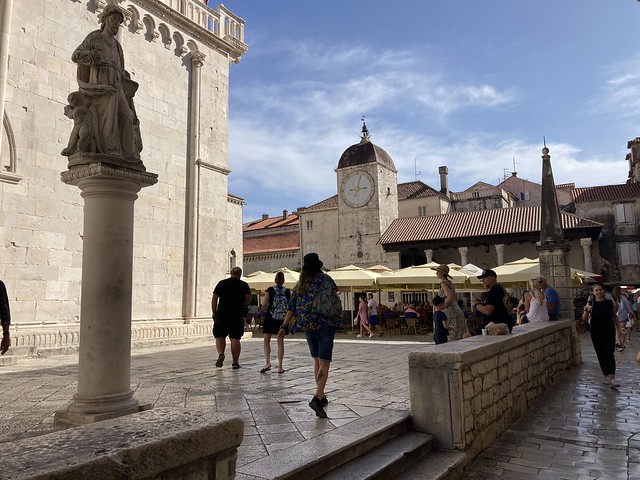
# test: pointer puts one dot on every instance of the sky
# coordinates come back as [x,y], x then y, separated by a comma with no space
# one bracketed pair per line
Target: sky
[473,85]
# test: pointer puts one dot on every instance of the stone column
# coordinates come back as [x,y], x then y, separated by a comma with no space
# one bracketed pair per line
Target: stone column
[463,255]
[586,250]
[109,193]
[429,255]
[5,35]
[189,282]
[500,253]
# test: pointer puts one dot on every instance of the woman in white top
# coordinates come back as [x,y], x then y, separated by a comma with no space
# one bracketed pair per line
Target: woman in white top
[535,305]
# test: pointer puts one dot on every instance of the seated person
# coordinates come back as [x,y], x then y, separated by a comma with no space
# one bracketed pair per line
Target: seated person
[410,311]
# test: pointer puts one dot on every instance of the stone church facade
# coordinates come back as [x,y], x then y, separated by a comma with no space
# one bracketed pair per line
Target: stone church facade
[180,52]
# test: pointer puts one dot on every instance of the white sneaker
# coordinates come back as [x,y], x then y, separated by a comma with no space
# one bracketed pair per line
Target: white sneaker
[371,335]
[615,383]
[358,336]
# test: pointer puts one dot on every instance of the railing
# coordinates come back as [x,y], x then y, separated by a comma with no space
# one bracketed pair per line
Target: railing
[221,22]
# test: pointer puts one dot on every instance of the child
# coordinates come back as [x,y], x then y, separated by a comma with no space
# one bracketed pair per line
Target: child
[440,326]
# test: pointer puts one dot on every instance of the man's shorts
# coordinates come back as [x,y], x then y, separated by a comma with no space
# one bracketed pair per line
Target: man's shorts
[321,343]
[373,320]
[232,328]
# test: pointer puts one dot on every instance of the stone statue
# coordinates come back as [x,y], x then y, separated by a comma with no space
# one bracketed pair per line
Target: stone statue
[82,138]
[110,126]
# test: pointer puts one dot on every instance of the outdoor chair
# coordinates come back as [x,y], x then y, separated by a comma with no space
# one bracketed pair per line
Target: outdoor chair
[391,321]
[412,323]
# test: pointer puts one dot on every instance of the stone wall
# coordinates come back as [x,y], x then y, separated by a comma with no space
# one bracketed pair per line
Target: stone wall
[160,443]
[467,393]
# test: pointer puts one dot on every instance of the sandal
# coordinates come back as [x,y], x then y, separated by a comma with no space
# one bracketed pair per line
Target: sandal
[235,366]
[281,371]
[220,360]
[265,369]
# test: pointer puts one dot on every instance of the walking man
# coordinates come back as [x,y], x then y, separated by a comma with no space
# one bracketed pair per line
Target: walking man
[228,300]
[5,319]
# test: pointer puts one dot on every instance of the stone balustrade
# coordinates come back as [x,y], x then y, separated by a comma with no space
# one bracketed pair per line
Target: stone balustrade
[221,21]
[161,443]
[467,393]
[57,339]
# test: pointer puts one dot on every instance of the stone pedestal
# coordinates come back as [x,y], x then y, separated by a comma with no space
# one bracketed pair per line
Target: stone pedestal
[109,191]
[554,266]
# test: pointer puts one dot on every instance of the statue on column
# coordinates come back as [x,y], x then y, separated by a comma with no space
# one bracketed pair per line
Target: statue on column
[105,120]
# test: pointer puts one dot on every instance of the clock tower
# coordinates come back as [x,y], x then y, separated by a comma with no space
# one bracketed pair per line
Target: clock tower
[367,203]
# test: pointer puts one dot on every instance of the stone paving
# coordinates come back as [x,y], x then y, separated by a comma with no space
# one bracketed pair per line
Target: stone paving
[580,429]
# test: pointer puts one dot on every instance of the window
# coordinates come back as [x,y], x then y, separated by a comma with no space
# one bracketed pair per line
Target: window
[309,224]
[525,196]
[624,213]
[629,254]
[422,211]
[232,259]
[475,194]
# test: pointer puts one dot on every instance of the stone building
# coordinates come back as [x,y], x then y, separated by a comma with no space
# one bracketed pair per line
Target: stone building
[617,207]
[271,243]
[180,53]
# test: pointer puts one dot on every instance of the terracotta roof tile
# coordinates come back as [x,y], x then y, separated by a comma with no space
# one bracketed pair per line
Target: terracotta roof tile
[272,222]
[272,243]
[328,204]
[605,192]
[415,189]
[483,223]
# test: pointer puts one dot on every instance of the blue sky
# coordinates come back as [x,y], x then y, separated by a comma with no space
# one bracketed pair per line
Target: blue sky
[467,84]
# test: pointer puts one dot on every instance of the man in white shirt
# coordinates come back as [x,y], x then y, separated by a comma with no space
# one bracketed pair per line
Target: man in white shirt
[372,312]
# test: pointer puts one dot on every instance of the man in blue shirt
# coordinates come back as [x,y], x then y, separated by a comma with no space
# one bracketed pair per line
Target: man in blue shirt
[552,298]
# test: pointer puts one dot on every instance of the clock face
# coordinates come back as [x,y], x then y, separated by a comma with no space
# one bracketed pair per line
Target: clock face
[357,189]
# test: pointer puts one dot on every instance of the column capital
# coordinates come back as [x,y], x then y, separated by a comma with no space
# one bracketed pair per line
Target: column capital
[463,250]
[197,59]
[84,171]
[586,242]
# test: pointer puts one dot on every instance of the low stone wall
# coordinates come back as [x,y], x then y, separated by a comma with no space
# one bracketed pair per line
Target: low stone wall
[160,443]
[467,393]
[61,339]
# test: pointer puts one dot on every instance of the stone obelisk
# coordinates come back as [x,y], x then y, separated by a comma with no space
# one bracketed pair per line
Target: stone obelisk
[104,163]
[553,249]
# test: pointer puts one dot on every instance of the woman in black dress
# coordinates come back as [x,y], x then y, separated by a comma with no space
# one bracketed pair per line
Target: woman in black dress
[603,326]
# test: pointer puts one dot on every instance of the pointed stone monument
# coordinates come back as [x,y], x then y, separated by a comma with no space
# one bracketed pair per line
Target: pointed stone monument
[104,162]
[553,249]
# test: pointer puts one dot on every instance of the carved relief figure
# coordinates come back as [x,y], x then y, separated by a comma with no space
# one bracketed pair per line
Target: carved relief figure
[110,90]
[82,137]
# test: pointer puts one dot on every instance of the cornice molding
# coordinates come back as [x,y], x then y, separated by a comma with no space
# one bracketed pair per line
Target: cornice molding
[232,47]
[215,168]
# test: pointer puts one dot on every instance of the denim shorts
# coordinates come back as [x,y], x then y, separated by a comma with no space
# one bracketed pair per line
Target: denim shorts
[321,343]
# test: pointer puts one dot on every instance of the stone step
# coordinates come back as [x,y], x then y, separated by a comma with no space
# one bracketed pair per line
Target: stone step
[436,465]
[385,461]
[320,455]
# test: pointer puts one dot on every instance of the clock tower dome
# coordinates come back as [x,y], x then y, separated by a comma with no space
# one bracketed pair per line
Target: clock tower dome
[367,203]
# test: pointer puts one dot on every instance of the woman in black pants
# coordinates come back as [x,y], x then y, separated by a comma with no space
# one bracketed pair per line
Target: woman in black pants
[603,326]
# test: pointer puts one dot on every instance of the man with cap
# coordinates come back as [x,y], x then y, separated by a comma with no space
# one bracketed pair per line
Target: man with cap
[493,308]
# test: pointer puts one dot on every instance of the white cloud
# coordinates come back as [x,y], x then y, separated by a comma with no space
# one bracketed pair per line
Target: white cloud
[286,137]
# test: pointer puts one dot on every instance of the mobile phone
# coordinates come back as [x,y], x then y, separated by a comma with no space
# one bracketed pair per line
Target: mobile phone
[590,302]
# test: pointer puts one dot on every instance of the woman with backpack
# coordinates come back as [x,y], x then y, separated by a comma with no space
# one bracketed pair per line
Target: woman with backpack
[315,309]
[276,305]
